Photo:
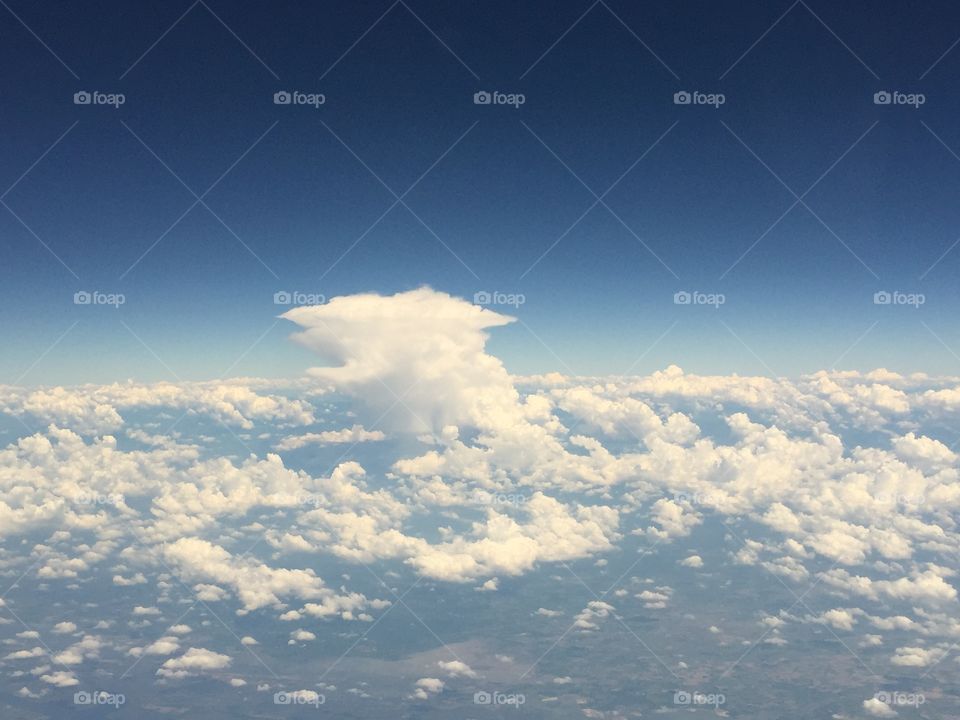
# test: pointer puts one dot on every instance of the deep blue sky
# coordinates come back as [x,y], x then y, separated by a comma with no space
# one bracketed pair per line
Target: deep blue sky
[799,99]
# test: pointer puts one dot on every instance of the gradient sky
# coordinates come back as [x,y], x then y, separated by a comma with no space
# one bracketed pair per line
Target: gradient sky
[303,186]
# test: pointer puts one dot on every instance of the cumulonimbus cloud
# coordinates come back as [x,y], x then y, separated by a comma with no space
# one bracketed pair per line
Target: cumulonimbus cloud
[416,360]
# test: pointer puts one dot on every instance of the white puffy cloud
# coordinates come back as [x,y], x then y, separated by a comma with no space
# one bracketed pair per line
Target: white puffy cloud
[141,611]
[925,586]
[166,645]
[546,612]
[588,619]
[625,417]
[301,636]
[839,618]
[916,656]
[255,584]
[192,662]
[878,708]
[425,687]
[92,409]
[34,652]
[456,668]
[657,598]
[416,358]
[927,453]
[60,678]
[88,647]
[355,434]
[674,519]
[138,579]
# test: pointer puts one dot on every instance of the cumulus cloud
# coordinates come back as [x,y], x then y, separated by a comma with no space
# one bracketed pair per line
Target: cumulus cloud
[425,687]
[916,656]
[88,647]
[34,652]
[166,645]
[301,636]
[141,611]
[96,409]
[673,518]
[878,708]
[256,584]
[457,668]
[589,618]
[193,662]
[60,678]
[355,434]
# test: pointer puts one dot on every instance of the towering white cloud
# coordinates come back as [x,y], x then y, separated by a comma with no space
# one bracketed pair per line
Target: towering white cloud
[416,358]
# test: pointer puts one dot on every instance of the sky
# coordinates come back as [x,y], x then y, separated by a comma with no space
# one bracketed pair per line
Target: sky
[409,359]
[795,200]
